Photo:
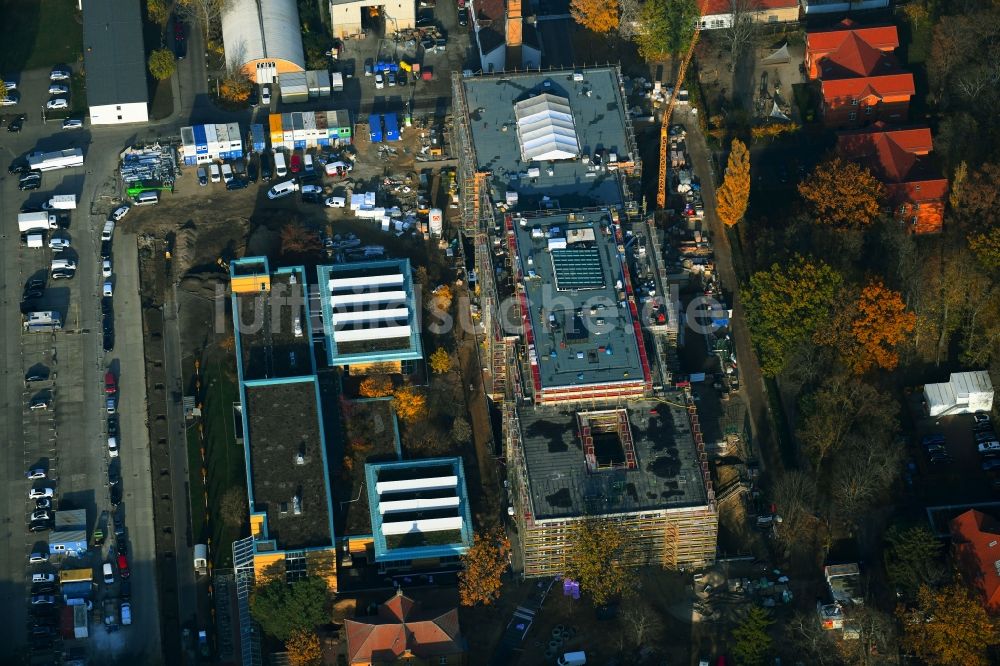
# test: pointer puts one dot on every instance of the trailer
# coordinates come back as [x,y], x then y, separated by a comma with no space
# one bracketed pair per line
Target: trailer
[41,322]
[391,121]
[61,202]
[59,159]
[80,622]
[34,221]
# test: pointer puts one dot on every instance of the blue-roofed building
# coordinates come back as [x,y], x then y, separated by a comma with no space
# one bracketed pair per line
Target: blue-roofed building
[369,313]
[284,439]
[419,510]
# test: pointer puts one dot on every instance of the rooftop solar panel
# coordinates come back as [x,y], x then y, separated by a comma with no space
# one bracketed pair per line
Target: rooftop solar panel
[578,268]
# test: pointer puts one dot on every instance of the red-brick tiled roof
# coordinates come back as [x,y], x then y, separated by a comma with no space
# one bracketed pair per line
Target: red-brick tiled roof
[863,87]
[977,548]
[715,7]
[898,158]
[402,626]
[883,38]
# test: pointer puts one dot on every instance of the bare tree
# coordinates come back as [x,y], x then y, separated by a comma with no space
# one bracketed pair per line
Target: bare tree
[795,499]
[202,12]
[643,623]
[743,28]
[628,19]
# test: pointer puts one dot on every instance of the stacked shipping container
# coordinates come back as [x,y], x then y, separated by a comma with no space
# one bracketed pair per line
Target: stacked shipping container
[207,143]
[309,129]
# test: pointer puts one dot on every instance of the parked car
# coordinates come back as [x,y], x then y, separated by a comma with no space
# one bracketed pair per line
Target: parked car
[60,74]
[112,447]
[35,473]
[202,176]
[36,493]
[11,99]
[15,125]
[43,578]
[109,573]
[237,184]
[41,515]
[72,123]
[990,446]
[118,213]
[985,436]
[379,81]
[39,526]
[265,94]
[990,465]
[19,165]
[38,557]
[115,492]
[123,566]
[106,268]
[43,503]
[40,599]
[296,163]
[981,417]
[39,403]
[933,439]
[56,104]
[58,89]
[59,243]
[30,181]
[312,189]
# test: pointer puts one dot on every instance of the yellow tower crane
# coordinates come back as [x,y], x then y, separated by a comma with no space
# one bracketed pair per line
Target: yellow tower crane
[661,188]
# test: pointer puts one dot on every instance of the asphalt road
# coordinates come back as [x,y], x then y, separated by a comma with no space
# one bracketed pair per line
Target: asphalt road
[70,438]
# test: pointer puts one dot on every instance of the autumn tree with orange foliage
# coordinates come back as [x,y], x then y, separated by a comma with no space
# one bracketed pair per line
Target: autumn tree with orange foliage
[375,386]
[842,194]
[303,649]
[868,333]
[948,626]
[601,16]
[440,361]
[481,580]
[410,405]
[734,194]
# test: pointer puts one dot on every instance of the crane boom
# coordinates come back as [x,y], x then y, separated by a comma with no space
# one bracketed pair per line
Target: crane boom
[661,188]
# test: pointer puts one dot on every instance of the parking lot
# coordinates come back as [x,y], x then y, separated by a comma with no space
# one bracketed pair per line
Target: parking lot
[64,370]
[956,474]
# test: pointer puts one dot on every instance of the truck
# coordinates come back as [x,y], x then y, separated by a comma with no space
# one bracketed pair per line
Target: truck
[80,622]
[59,159]
[61,202]
[337,82]
[111,614]
[42,322]
[201,559]
[40,220]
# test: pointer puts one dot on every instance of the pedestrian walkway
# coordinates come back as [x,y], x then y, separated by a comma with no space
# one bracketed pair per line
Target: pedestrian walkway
[520,623]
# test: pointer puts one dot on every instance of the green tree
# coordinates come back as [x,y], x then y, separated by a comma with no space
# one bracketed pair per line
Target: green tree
[3,90]
[282,609]
[162,64]
[753,643]
[595,560]
[912,558]
[158,11]
[786,305]
[667,27]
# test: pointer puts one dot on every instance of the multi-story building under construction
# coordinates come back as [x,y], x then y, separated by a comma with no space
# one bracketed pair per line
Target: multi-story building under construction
[547,164]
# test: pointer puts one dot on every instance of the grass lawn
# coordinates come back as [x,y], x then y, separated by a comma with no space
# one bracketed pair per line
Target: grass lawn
[195,486]
[224,457]
[917,39]
[39,34]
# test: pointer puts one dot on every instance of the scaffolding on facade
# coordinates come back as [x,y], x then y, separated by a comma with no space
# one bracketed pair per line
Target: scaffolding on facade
[243,568]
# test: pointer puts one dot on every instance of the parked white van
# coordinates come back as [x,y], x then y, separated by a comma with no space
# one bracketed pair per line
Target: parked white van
[214,174]
[227,173]
[282,189]
[108,231]
[280,169]
[149,198]
[63,264]
[109,574]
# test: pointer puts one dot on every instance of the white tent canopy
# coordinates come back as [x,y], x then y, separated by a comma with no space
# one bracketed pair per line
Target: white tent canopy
[545,129]
[963,393]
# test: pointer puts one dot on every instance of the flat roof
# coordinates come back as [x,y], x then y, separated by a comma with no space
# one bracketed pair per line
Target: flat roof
[286,460]
[597,105]
[369,312]
[568,476]
[419,508]
[113,52]
[274,327]
[581,329]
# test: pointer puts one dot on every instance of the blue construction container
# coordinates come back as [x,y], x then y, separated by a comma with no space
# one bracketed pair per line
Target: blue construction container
[323,141]
[375,127]
[190,160]
[391,127]
[200,140]
[77,590]
[258,138]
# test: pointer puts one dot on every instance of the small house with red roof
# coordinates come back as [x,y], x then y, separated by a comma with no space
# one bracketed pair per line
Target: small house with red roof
[975,537]
[718,14]
[900,159]
[860,79]
[402,631]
